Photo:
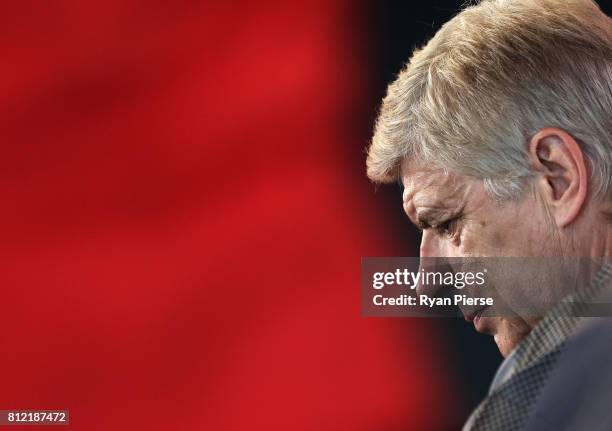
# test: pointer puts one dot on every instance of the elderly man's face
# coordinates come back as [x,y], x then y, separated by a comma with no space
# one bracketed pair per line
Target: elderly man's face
[459,219]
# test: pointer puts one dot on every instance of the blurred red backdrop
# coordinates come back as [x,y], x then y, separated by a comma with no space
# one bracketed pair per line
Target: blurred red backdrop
[182,231]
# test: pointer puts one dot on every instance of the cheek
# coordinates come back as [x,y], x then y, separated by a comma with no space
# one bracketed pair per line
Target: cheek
[477,239]
[468,242]
[433,245]
[495,235]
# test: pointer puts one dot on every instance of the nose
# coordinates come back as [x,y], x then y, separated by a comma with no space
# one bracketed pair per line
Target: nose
[433,258]
[427,250]
[430,246]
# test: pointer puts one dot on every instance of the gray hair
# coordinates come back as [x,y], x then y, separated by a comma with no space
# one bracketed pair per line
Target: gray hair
[499,71]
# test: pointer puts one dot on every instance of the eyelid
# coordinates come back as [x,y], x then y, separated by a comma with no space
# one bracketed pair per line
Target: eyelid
[422,225]
[445,226]
[430,220]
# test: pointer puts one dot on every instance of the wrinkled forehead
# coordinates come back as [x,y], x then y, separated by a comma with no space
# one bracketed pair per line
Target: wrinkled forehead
[419,179]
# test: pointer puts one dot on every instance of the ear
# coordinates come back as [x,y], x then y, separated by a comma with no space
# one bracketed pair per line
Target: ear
[562,179]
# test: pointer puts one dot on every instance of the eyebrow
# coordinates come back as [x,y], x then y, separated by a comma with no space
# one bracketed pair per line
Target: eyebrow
[431,217]
[425,217]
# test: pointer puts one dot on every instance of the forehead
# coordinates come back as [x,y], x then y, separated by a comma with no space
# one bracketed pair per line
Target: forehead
[421,181]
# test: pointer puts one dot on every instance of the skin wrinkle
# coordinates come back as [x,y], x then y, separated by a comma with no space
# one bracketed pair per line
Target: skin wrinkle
[463,110]
[489,228]
[486,228]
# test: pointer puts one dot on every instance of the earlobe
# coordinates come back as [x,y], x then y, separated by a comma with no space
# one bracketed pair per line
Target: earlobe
[559,160]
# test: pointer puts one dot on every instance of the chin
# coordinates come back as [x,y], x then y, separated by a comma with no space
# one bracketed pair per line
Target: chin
[509,333]
[504,345]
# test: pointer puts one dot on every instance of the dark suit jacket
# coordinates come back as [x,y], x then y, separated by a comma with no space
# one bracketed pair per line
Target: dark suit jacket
[578,393]
[562,376]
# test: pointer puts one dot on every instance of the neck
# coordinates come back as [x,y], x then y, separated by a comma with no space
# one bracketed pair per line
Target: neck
[601,244]
[593,234]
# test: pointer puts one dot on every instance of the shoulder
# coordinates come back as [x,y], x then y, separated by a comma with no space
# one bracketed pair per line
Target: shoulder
[578,392]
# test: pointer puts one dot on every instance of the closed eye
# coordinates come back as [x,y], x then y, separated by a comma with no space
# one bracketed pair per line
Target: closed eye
[422,225]
[448,227]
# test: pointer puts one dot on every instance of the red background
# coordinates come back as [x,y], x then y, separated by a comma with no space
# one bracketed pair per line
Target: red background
[185,209]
